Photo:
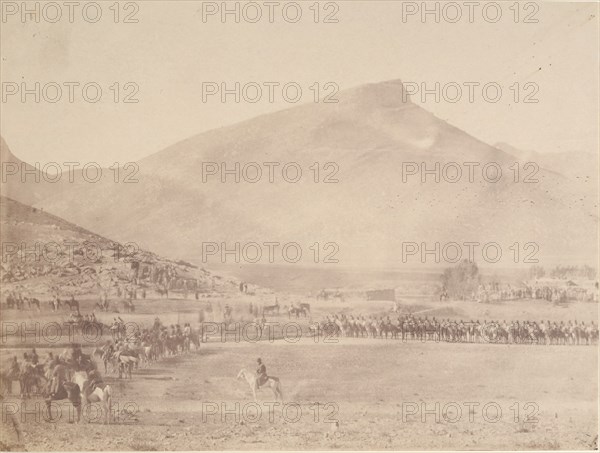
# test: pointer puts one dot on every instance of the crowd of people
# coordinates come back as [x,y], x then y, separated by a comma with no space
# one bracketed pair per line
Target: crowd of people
[15,299]
[491,292]
[132,347]
[121,355]
[45,377]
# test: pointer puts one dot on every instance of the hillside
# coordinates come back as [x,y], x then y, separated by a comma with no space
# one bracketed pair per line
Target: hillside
[43,252]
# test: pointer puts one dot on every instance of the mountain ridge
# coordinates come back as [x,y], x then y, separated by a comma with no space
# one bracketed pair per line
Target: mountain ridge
[370,134]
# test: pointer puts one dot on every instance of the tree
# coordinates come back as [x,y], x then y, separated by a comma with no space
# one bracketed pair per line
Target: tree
[462,280]
[536,272]
[585,271]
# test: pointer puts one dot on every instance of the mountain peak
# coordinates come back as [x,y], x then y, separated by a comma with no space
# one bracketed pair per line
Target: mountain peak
[388,94]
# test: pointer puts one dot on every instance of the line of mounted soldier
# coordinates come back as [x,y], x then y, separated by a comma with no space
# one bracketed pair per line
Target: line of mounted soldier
[411,327]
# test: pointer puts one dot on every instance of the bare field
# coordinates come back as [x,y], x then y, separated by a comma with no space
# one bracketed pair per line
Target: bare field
[384,394]
[373,388]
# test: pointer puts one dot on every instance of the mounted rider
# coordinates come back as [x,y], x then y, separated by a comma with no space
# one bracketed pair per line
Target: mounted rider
[15,369]
[261,374]
[34,357]
[60,375]
[94,381]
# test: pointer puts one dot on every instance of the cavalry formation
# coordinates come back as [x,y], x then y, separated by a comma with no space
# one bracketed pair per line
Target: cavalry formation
[73,375]
[128,350]
[418,328]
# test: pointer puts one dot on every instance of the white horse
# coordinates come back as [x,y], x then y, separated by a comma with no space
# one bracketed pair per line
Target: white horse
[98,395]
[272,382]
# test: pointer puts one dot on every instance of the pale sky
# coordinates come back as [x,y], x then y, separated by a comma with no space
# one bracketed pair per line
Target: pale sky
[170,52]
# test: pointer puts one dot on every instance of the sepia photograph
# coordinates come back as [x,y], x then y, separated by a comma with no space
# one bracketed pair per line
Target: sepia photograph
[311,225]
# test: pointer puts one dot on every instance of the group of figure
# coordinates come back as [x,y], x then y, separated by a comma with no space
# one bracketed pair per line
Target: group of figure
[496,292]
[409,327]
[46,377]
[77,317]
[130,349]
[120,356]
[16,299]
[70,304]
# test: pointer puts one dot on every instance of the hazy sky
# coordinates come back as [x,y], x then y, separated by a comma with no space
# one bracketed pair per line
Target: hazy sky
[171,51]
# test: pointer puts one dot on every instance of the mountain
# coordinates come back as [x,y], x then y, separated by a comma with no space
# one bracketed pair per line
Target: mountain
[369,134]
[578,165]
[19,178]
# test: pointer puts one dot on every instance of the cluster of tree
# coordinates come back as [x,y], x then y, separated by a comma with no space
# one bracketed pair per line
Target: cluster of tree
[462,280]
[536,272]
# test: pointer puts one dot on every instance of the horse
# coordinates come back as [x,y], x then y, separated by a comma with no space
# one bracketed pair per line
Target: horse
[297,312]
[72,305]
[128,306]
[33,301]
[6,380]
[94,392]
[163,292]
[271,309]
[68,390]
[106,355]
[195,339]
[10,301]
[102,306]
[126,363]
[305,306]
[272,382]
[31,378]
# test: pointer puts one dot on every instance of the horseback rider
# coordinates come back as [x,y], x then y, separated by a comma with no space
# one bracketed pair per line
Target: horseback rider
[94,381]
[34,357]
[261,374]
[15,369]
[59,377]
[107,350]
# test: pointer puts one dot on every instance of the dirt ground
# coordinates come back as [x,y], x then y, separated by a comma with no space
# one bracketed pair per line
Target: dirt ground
[348,394]
[384,395]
